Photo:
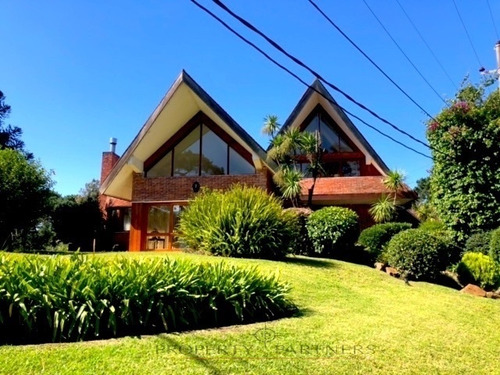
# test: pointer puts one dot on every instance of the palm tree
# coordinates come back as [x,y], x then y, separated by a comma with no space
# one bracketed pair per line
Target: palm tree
[383,210]
[271,125]
[290,184]
[394,181]
[311,146]
[294,139]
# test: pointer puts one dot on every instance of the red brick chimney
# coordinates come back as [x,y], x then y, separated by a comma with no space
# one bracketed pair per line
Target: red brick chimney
[109,159]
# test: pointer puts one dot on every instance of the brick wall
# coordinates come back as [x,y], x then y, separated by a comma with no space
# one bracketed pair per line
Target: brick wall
[109,159]
[181,188]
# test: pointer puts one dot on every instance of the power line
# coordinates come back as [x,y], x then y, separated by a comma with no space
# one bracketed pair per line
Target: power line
[371,60]
[427,45]
[467,33]
[493,19]
[303,82]
[403,52]
[316,74]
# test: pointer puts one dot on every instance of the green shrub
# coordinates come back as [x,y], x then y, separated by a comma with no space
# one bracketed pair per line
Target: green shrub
[478,242]
[479,269]
[374,238]
[419,253]
[63,298]
[495,245]
[241,222]
[432,225]
[302,244]
[333,230]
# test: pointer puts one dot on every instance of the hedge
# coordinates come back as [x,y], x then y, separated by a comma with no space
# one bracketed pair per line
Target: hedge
[333,230]
[63,298]
[376,237]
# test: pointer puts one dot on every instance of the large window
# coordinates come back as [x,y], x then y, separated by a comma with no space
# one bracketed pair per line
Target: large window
[340,157]
[201,153]
[331,141]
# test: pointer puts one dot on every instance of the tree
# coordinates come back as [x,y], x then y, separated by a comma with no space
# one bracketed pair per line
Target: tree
[465,180]
[311,145]
[77,219]
[423,206]
[285,150]
[10,136]
[423,189]
[25,191]
[394,181]
[384,209]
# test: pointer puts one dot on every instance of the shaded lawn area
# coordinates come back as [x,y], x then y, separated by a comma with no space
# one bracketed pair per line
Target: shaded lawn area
[355,320]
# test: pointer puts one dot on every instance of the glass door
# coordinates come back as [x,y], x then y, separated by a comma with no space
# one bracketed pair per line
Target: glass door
[158,231]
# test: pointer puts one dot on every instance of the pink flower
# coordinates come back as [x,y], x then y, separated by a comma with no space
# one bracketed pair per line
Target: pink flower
[433,126]
[460,105]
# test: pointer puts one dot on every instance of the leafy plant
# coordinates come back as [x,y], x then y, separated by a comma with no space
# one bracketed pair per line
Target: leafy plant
[419,253]
[383,210]
[333,230]
[24,197]
[478,242]
[394,181]
[432,225]
[240,222]
[375,238]
[495,245]
[302,243]
[63,298]
[480,269]
[465,181]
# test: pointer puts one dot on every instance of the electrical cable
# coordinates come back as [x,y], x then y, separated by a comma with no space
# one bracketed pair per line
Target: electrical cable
[316,74]
[427,44]
[493,19]
[467,32]
[303,82]
[403,52]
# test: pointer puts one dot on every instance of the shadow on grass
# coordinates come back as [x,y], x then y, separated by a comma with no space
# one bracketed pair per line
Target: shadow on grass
[310,262]
[188,351]
[448,280]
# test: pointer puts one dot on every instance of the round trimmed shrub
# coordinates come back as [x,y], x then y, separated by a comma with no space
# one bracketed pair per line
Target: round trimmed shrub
[302,243]
[240,222]
[479,269]
[374,238]
[495,245]
[478,242]
[419,253]
[333,230]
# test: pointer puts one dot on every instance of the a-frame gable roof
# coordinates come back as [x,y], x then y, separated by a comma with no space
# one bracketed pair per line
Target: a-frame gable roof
[317,93]
[184,99]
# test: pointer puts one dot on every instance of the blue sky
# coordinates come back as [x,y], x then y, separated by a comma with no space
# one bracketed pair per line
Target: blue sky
[79,72]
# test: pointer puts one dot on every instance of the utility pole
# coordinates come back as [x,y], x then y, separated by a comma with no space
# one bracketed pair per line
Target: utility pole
[495,72]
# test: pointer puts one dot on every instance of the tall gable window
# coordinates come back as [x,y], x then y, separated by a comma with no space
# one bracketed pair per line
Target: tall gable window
[201,152]
[340,156]
[331,141]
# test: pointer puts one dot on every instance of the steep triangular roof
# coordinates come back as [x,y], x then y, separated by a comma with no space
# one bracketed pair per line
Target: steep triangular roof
[318,94]
[182,101]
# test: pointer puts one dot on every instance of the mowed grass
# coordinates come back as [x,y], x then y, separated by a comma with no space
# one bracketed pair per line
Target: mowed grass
[354,320]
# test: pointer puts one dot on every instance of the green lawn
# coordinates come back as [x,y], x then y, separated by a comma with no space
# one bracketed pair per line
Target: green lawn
[355,320]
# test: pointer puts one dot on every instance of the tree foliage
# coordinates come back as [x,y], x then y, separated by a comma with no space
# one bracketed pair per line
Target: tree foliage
[10,136]
[77,219]
[285,148]
[24,197]
[465,181]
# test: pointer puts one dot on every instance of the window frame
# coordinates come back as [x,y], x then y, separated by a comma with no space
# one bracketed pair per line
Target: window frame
[333,157]
[197,121]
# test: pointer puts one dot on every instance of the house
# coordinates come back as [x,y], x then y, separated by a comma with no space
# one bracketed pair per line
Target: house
[190,142]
